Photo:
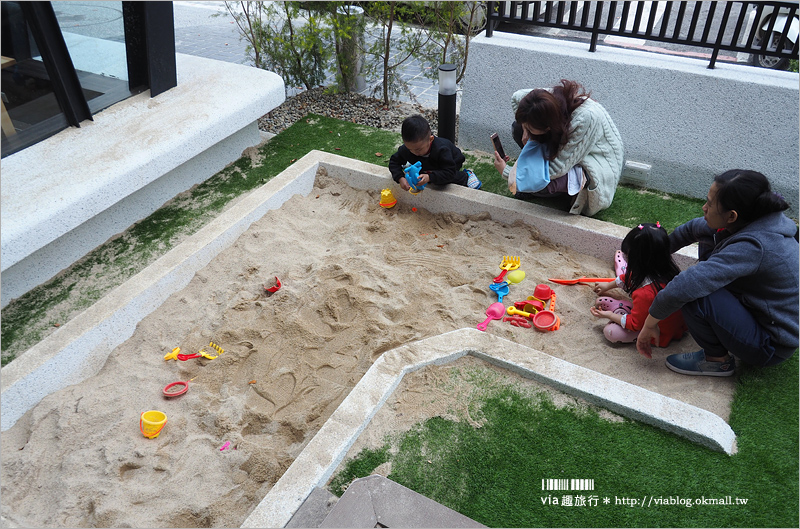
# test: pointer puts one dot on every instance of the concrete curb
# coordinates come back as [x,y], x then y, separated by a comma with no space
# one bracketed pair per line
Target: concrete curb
[323,454]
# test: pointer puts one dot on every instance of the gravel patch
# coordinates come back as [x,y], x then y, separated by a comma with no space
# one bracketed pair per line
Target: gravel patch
[352,107]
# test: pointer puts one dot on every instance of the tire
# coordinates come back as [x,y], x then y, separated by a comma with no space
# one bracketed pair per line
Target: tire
[765,61]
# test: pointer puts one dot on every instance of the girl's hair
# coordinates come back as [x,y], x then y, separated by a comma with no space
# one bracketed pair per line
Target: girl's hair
[542,109]
[749,194]
[648,253]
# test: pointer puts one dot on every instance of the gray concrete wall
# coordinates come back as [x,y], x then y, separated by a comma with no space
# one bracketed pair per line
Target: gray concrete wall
[687,121]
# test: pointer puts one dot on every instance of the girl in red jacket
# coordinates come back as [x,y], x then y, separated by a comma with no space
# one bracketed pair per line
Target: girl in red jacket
[644,266]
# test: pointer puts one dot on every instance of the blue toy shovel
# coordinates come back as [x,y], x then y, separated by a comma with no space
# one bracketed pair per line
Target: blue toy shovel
[501,289]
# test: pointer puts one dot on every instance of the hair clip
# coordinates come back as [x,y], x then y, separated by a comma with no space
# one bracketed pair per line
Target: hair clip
[658,224]
[640,227]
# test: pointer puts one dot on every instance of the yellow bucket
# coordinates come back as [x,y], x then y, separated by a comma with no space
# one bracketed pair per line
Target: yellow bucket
[151,422]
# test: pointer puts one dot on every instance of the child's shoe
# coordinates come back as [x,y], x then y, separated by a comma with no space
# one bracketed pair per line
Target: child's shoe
[620,264]
[619,306]
[473,181]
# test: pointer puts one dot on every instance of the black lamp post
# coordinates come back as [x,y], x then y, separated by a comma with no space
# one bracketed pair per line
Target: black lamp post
[447,102]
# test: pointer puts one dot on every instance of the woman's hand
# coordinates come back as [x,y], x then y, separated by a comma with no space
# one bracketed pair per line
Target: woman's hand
[404,183]
[648,333]
[499,162]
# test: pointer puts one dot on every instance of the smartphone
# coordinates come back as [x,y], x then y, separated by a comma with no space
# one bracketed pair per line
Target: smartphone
[498,146]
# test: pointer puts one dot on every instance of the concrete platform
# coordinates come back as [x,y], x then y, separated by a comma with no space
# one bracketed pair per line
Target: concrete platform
[70,193]
[80,348]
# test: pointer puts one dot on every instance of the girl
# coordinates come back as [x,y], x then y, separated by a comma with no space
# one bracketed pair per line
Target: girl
[648,269]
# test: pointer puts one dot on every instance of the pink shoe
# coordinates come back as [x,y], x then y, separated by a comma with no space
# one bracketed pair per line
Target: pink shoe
[614,305]
[620,264]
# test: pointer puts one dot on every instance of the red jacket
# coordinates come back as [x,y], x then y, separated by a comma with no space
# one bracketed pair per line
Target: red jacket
[671,327]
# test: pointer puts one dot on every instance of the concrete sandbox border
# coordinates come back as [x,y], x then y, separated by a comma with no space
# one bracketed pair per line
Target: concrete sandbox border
[79,349]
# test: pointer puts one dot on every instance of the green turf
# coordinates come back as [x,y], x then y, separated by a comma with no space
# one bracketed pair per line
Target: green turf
[494,473]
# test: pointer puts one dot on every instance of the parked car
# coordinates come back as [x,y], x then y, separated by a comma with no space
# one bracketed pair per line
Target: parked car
[781,19]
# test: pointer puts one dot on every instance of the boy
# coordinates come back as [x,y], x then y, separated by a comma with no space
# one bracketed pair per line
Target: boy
[441,160]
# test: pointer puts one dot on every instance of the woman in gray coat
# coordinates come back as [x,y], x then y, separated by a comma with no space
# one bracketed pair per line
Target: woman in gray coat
[741,299]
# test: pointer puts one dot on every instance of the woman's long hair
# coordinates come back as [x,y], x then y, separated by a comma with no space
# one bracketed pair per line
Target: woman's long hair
[543,110]
[648,254]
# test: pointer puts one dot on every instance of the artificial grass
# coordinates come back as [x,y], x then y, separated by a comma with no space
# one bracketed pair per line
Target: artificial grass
[494,473]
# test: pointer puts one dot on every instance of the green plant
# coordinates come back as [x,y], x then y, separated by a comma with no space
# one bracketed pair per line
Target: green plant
[447,45]
[388,50]
[285,37]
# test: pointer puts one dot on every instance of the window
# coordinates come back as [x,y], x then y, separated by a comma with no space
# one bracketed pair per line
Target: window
[64,61]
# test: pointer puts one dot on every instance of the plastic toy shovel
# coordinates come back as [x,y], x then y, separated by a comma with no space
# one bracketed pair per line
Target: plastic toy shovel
[583,280]
[495,312]
[501,289]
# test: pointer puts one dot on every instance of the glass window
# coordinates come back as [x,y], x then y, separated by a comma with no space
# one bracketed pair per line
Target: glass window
[27,92]
[95,36]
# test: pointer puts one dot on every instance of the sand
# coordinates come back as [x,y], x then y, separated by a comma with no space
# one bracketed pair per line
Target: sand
[358,280]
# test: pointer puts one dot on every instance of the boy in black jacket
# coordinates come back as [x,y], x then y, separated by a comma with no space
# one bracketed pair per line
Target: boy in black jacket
[441,160]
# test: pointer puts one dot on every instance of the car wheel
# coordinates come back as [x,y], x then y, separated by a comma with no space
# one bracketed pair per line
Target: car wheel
[766,61]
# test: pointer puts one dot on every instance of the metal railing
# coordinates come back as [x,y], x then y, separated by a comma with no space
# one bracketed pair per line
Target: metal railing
[730,26]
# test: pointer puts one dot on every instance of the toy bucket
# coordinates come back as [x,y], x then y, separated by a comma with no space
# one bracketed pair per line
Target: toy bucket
[152,422]
[542,292]
[387,199]
[546,320]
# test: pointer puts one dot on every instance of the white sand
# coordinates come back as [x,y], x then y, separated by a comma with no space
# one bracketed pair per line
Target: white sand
[358,280]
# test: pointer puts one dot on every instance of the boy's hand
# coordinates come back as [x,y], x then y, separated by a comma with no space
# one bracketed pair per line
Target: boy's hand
[499,162]
[404,183]
[424,178]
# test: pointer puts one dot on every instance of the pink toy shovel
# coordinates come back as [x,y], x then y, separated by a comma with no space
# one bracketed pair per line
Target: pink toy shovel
[495,312]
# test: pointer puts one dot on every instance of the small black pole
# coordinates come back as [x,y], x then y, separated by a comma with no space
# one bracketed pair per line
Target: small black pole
[447,101]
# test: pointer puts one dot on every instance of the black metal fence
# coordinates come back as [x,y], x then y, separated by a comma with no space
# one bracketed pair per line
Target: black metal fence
[756,28]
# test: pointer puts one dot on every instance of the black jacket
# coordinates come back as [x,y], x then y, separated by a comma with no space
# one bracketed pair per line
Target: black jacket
[443,163]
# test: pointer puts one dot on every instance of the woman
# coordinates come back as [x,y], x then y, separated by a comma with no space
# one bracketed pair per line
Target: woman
[741,299]
[577,140]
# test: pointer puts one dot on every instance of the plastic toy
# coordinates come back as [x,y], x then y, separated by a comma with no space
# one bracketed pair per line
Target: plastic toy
[501,289]
[509,263]
[173,355]
[412,177]
[515,276]
[152,422]
[201,353]
[517,321]
[583,280]
[495,312]
[511,311]
[542,293]
[274,289]
[387,199]
[226,445]
[530,305]
[176,388]
[546,320]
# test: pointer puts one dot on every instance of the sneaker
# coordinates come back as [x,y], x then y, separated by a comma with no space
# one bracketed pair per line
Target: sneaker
[473,181]
[696,364]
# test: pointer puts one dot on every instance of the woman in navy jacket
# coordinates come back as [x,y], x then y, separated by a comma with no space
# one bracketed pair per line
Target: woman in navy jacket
[741,299]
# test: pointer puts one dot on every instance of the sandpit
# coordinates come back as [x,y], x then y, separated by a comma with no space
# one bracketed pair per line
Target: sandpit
[358,280]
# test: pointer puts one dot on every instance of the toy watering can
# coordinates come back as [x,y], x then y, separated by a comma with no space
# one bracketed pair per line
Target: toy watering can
[412,177]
